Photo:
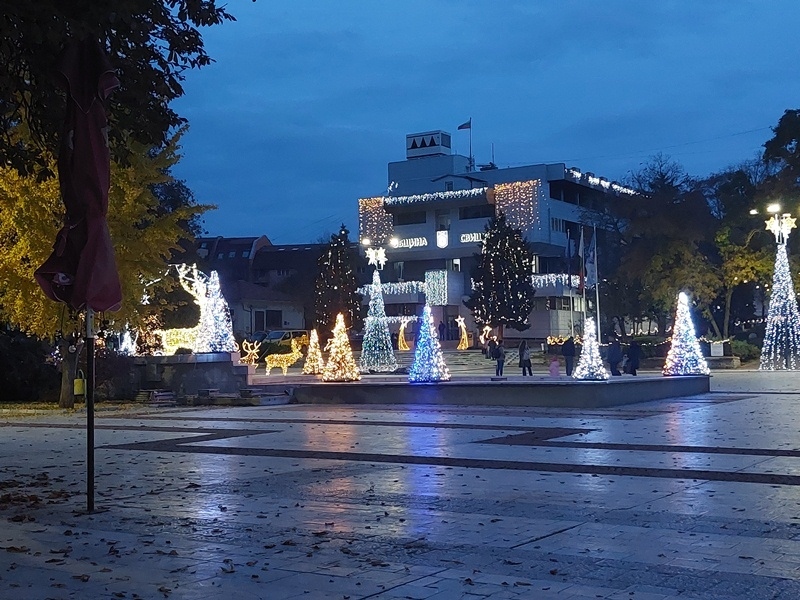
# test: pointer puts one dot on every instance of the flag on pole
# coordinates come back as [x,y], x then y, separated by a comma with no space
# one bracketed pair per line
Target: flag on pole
[581,265]
[591,264]
[467,125]
[568,257]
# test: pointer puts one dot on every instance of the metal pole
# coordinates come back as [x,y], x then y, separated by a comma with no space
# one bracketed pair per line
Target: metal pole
[90,335]
[596,281]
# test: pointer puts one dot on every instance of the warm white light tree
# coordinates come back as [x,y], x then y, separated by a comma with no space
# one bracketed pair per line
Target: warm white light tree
[684,356]
[314,364]
[590,364]
[215,330]
[341,365]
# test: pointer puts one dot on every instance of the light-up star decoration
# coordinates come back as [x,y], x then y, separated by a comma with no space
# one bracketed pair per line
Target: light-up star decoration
[463,342]
[377,257]
[781,226]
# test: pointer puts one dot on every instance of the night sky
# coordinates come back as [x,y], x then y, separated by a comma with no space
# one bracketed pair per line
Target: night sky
[309,100]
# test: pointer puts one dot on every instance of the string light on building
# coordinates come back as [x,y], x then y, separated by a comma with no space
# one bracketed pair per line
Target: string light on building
[428,365]
[374,223]
[436,287]
[781,349]
[314,364]
[463,342]
[590,364]
[552,279]
[341,365]
[517,201]
[684,356]
[402,287]
[436,196]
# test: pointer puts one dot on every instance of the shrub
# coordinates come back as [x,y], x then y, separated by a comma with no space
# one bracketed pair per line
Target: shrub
[745,351]
[25,375]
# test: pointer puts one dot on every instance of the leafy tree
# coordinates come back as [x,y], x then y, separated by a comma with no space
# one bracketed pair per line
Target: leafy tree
[503,294]
[151,43]
[336,284]
[143,235]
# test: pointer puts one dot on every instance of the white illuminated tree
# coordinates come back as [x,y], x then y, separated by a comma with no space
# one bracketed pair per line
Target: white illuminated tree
[590,364]
[684,356]
[781,349]
[428,365]
[215,330]
[376,349]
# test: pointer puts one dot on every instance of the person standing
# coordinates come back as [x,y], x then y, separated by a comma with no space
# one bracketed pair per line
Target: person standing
[568,351]
[441,331]
[491,346]
[634,354]
[614,356]
[500,355]
[525,358]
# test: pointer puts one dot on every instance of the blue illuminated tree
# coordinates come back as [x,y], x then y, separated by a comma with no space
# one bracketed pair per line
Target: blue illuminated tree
[428,365]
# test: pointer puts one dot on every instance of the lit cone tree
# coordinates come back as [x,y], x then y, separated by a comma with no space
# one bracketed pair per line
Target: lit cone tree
[684,356]
[336,287]
[428,365]
[314,364]
[503,290]
[590,364]
[341,365]
[215,330]
[781,349]
[376,349]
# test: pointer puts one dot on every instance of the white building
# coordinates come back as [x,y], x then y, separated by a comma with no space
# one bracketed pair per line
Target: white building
[433,219]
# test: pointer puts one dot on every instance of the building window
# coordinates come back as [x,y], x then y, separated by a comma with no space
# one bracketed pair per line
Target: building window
[558,225]
[455,265]
[232,254]
[398,270]
[410,218]
[221,255]
[482,211]
[274,319]
[442,220]
[259,320]
[282,272]
[448,186]
[245,253]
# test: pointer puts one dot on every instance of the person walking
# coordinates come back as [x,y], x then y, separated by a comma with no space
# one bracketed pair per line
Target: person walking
[500,356]
[634,354]
[568,351]
[614,356]
[525,358]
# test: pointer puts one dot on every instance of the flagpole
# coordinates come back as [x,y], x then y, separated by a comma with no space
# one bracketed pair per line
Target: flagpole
[583,278]
[596,281]
[471,159]
[569,287]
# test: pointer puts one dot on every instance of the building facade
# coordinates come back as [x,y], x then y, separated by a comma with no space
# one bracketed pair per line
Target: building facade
[433,219]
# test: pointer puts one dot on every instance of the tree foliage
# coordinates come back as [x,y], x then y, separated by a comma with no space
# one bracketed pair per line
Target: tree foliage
[503,292]
[151,43]
[143,234]
[336,287]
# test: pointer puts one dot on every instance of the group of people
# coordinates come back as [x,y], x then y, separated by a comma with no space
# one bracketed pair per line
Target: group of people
[496,350]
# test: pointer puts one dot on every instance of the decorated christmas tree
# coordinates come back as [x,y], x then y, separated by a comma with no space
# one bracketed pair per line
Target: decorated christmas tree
[376,350]
[503,290]
[314,364]
[336,283]
[341,365]
[781,349]
[428,365]
[590,364]
[215,330]
[684,356]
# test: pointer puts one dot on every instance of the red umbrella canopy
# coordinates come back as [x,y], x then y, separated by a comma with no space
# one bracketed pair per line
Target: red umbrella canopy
[82,271]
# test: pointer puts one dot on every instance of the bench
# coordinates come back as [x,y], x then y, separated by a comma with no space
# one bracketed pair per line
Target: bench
[156,396]
[207,393]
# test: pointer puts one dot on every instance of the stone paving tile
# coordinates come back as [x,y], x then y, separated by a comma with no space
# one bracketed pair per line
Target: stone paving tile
[178,524]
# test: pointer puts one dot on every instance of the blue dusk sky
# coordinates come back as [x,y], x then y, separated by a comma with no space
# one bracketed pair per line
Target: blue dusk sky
[308,100]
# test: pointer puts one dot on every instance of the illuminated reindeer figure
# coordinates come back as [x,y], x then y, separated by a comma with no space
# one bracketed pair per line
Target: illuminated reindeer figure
[251,352]
[284,361]
[196,284]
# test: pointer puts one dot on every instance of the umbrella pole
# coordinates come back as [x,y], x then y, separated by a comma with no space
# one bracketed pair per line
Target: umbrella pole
[90,334]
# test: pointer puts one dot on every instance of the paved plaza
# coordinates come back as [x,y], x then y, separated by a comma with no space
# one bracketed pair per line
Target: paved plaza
[696,497]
